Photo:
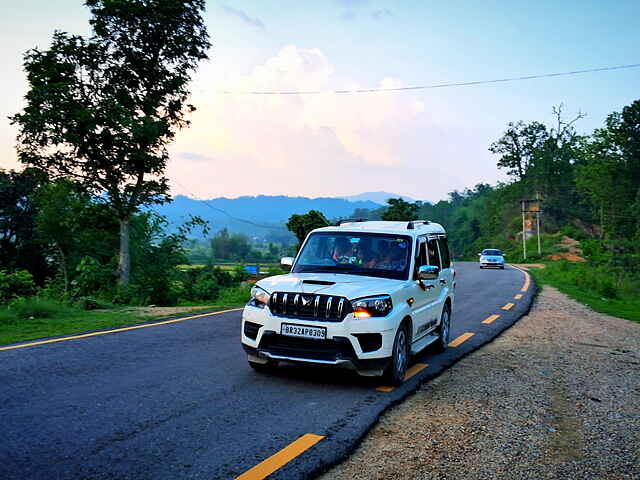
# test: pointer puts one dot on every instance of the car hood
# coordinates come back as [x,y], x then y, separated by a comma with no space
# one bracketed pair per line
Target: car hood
[341,285]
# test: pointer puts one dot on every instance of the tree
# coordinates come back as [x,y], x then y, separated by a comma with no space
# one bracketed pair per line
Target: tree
[301,224]
[518,146]
[75,226]
[102,110]
[19,244]
[400,210]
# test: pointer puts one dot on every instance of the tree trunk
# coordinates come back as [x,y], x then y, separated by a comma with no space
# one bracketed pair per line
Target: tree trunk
[124,259]
[63,264]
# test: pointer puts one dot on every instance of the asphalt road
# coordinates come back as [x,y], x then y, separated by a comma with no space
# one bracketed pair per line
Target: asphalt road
[179,400]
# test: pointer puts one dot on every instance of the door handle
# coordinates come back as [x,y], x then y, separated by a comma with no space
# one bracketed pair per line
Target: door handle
[443,281]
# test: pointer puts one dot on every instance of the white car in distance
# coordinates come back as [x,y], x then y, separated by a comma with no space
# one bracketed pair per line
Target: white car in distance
[363,295]
[491,258]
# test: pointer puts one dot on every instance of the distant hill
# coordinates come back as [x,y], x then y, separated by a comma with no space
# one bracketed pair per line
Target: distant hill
[256,216]
[377,197]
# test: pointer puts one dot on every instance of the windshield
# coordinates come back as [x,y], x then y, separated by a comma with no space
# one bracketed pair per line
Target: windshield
[492,252]
[371,254]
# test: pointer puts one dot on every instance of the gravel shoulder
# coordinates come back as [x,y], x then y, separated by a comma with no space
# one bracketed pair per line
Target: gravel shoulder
[555,396]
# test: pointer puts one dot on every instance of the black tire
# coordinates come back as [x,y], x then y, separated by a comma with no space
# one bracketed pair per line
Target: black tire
[395,372]
[444,330]
[502,267]
[263,367]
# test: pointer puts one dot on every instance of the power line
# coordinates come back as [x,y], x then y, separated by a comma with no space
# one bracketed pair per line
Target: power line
[206,202]
[437,85]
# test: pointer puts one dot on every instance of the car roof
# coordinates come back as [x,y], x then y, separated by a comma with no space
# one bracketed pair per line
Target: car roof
[414,228]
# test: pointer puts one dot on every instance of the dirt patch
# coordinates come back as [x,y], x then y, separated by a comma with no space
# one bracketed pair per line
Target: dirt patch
[555,396]
[572,251]
[527,266]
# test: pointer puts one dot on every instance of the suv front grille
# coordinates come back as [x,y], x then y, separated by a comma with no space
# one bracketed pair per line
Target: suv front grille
[338,347]
[309,306]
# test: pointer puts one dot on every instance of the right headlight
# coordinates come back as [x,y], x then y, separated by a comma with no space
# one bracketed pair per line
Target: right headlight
[378,306]
[259,297]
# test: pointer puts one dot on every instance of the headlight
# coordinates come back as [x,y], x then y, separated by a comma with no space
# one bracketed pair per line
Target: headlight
[378,306]
[259,297]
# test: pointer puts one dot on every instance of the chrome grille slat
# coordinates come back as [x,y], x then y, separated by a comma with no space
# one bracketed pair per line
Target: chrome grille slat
[327,312]
[309,306]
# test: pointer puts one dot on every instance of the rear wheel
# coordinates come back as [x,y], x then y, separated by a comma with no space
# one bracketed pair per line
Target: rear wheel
[444,330]
[400,358]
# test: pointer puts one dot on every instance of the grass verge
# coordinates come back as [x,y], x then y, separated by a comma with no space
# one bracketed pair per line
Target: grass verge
[40,318]
[592,287]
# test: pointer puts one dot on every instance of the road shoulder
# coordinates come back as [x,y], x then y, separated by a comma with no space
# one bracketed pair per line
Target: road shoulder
[556,395]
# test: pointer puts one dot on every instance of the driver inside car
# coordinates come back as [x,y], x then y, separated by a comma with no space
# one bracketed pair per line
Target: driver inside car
[342,251]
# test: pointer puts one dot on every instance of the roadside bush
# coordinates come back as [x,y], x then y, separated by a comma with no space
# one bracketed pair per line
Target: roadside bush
[7,317]
[92,277]
[16,284]
[240,274]
[87,303]
[37,307]
[206,289]
[607,288]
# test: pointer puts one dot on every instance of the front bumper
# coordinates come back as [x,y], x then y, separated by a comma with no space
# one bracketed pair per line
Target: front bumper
[364,345]
[492,264]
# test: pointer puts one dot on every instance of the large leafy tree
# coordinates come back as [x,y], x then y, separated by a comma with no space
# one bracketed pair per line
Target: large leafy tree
[400,210]
[101,110]
[301,224]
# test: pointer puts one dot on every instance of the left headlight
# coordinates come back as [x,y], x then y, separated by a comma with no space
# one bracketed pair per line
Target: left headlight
[378,306]
[259,297]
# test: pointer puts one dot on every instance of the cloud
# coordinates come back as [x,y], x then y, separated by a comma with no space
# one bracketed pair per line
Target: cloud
[194,156]
[254,22]
[321,144]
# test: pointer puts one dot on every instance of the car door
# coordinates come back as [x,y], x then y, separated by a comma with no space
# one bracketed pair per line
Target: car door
[424,293]
[447,275]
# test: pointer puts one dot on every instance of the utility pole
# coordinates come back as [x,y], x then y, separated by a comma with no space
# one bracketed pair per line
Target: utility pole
[538,222]
[524,235]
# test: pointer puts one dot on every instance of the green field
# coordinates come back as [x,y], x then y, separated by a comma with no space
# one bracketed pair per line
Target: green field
[40,318]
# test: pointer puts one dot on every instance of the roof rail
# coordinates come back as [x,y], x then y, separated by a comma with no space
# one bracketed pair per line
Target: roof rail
[411,225]
[350,220]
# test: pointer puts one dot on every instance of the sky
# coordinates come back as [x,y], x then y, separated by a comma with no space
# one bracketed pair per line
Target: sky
[421,143]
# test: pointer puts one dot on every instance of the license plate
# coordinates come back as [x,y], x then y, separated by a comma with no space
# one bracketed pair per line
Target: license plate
[303,331]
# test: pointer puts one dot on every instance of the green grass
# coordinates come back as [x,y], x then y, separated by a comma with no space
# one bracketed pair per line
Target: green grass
[593,287]
[39,318]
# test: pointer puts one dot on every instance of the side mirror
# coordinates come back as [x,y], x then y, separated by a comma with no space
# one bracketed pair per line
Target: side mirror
[286,263]
[504,254]
[479,254]
[428,272]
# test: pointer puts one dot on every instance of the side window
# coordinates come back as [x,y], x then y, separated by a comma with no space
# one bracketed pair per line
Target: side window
[421,254]
[444,252]
[432,251]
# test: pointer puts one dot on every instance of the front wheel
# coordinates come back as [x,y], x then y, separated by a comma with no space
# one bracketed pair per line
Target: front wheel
[400,358]
[444,330]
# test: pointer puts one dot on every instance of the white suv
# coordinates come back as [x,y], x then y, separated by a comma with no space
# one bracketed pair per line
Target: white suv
[360,295]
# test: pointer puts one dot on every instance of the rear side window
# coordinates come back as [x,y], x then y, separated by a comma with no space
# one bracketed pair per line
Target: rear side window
[432,251]
[444,252]
[421,254]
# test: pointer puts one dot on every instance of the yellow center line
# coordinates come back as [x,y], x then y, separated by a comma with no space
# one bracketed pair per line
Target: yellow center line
[518,296]
[116,330]
[461,339]
[417,368]
[508,306]
[281,458]
[490,319]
